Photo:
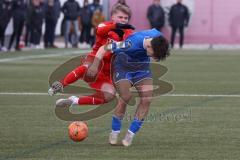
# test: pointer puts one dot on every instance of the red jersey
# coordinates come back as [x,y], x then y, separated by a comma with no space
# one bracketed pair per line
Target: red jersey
[104,35]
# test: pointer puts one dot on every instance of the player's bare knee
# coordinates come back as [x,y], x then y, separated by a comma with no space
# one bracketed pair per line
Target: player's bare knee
[108,97]
[109,92]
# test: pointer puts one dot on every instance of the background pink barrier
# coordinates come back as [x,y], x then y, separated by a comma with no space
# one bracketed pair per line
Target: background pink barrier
[212,21]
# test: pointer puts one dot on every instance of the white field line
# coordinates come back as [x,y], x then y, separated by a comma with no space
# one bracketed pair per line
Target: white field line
[66,54]
[42,56]
[166,95]
[203,95]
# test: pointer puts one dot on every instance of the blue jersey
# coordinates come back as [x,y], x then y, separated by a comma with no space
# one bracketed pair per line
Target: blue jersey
[133,48]
[132,62]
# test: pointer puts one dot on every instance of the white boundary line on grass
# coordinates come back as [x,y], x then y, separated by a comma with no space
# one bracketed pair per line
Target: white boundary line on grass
[166,95]
[43,56]
[23,93]
[60,54]
[203,95]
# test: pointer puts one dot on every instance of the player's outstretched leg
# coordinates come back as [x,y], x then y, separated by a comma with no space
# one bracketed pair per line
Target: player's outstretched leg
[70,78]
[74,75]
[95,99]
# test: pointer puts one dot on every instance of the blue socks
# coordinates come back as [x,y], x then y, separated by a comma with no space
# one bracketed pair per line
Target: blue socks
[135,125]
[116,124]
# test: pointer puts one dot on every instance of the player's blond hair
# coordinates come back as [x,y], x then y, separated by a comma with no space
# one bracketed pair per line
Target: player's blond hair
[122,8]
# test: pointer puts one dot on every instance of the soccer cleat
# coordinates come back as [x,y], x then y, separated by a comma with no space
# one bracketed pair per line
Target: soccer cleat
[113,137]
[64,103]
[127,141]
[55,88]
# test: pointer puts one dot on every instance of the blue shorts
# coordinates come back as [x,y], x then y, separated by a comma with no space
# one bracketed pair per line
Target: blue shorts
[131,71]
[133,77]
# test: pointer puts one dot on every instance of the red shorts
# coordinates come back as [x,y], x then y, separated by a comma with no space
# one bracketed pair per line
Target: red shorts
[104,74]
[100,81]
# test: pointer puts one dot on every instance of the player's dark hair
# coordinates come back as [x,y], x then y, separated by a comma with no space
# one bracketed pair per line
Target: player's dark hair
[121,8]
[160,48]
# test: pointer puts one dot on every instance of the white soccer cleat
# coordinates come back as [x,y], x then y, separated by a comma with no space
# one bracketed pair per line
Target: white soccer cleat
[127,141]
[64,103]
[55,88]
[113,137]
[51,92]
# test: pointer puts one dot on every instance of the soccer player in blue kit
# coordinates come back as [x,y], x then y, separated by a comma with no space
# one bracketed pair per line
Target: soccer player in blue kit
[131,68]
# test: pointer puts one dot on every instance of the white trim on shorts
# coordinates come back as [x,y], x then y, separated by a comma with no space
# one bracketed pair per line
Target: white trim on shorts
[123,80]
[142,80]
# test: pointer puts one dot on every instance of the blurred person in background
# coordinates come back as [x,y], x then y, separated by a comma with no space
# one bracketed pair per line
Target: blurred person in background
[97,18]
[122,2]
[178,19]
[156,15]
[71,11]
[95,5]
[85,17]
[36,22]
[19,17]
[6,10]
[27,24]
[52,13]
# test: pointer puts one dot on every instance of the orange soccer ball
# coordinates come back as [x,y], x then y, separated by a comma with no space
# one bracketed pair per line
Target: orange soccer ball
[78,131]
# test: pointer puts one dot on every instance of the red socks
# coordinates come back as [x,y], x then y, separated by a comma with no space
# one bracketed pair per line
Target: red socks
[73,76]
[95,99]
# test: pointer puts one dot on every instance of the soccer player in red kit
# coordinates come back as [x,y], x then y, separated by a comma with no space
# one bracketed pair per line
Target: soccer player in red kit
[116,30]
